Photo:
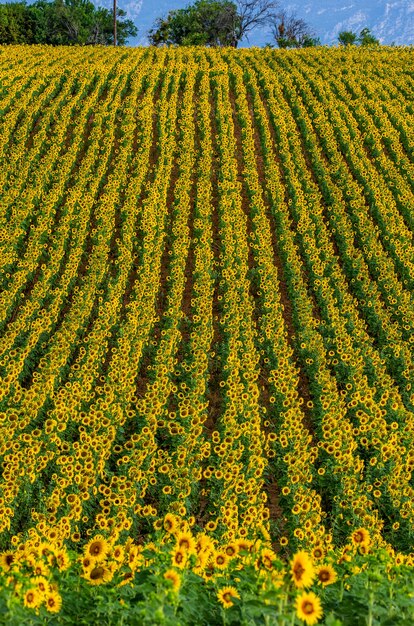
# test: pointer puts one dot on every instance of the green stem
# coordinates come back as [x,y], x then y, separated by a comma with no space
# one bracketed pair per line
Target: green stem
[282,623]
[341,595]
[370,607]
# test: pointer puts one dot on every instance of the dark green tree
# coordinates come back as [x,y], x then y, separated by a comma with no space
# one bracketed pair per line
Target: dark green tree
[16,23]
[210,23]
[206,23]
[347,38]
[63,22]
[366,38]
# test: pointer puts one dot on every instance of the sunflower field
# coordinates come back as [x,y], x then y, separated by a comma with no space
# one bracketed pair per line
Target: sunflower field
[206,336]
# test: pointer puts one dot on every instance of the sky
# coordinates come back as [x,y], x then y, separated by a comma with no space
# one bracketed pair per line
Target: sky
[391,21]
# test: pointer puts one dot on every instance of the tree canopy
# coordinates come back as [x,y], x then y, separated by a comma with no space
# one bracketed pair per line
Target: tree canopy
[211,22]
[365,38]
[289,31]
[62,22]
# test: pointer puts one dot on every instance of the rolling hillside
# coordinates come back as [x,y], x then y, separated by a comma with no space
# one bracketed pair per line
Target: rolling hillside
[206,312]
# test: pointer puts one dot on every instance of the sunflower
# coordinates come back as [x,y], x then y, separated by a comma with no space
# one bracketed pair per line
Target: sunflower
[170,523]
[302,570]
[202,558]
[88,562]
[53,602]
[135,558]
[326,575]
[45,548]
[277,578]
[225,596]
[32,598]
[98,575]
[308,608]
[203,543]
[231,549]
[345,554]
[265,559]
[318,552]
[360,537]
[62,560]
[174,578]
[97,548]
[40,569]
[42,584]
[244,545]
[127,578]
[186,542]
[6,560]
[179,557]
[220,560]
[118,553]
[208,572]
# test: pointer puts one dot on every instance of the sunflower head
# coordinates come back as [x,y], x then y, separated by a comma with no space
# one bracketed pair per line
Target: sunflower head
[302,570]
[170,523]
[6,560]
[53,602]
[97,548]
[203,542]
[42,584]
[265,560]
[174,578]
[99,574]
[88,562]
[308,608]
[118,553]
[318,553]
[179,557]
[32,598]
[220,560]
[62,560]
[326,575]
[127,578]
[40,569]
[360,537]
[186,542]
[231,549]
[226,596]
[244,545]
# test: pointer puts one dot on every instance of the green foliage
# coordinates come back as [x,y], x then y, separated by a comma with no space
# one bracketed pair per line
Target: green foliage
[16,23]
[365,38]
[290,31]
[62,22]
[306,42]
[347,38]
[206,23]
[310,42]
[370,590]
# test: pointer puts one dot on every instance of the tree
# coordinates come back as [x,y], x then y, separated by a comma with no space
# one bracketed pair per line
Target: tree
[64,22]
[366,38]
[206,23]
[347,38]
[211,23]
[253,14]
[290,31]
[16,23]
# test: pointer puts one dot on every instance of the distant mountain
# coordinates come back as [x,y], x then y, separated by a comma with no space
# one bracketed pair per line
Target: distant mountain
[390,22]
